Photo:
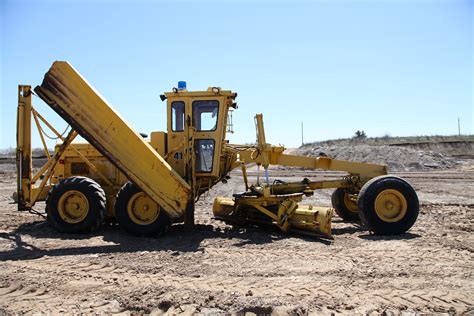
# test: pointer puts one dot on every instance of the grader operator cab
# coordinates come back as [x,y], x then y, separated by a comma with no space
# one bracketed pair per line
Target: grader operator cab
[148,184]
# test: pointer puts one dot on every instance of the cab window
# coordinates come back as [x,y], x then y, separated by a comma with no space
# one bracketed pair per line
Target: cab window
[205,113]
[177,116]
[204,150]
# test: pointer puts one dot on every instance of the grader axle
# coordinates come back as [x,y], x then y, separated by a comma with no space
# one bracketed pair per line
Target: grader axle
[147,184]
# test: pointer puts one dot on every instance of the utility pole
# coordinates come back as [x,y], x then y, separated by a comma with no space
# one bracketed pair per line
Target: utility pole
[459,126]
[302,139]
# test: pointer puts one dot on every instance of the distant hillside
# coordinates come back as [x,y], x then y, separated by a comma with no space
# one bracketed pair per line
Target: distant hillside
[11,152]
[388,140]
[455,146]
[399,153]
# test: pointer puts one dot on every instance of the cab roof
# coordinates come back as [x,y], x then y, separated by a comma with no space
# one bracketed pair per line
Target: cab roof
[210,92]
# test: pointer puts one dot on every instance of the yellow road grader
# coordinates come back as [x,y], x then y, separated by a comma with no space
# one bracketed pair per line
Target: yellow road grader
[148,183]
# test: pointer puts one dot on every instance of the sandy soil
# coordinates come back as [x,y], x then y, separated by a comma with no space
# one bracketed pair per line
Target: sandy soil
[217,268]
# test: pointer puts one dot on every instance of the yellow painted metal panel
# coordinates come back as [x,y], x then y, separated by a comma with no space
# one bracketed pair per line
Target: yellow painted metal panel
[158,141]
[76,101]
[277,157]
[23,154]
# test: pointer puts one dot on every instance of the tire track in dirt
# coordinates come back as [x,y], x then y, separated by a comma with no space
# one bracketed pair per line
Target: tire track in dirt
[33,298]
[21,295]
[297,286]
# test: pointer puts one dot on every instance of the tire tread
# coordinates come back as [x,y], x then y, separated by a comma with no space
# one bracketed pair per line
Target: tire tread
[93,191]
[157,228]
[367,214]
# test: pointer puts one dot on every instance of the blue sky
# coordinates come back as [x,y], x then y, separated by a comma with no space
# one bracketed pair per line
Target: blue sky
[386,67]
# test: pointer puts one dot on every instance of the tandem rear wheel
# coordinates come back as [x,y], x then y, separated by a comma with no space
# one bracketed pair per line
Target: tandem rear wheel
[76,205]
[388,205]
[138,214]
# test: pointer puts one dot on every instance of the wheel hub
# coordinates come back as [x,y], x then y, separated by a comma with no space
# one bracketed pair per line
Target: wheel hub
[73,207]
[350,204]
[142,209]
[391,205]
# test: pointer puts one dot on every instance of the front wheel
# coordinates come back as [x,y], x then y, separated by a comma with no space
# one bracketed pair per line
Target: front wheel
[138,214]
[388,205]
[344,206]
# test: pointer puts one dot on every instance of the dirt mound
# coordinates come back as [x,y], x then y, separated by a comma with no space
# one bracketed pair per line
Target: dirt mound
[397,158]
[460,149]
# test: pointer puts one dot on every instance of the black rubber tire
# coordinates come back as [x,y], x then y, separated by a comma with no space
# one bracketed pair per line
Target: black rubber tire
[157,228]
[97,205]
[366,203]
[337,199]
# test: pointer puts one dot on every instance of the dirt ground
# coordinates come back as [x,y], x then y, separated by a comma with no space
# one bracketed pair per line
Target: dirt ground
[216,268]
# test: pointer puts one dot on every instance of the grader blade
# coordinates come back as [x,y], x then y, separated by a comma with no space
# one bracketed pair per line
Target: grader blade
[282,211]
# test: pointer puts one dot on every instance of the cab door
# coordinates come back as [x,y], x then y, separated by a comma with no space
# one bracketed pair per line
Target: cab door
[176,135]
[207,118]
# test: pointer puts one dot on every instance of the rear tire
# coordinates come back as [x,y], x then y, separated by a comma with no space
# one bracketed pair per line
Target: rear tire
[388,205]
[344,207]
[138,214]
[76,205]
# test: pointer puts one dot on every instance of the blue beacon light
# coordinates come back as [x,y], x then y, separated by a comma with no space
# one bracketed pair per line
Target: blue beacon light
[181,85]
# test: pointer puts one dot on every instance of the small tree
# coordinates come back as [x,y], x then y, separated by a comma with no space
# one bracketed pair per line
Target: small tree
[360,135]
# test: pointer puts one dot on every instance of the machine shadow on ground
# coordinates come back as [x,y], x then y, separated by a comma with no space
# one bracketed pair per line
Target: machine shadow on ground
[178,239]
[405,236]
